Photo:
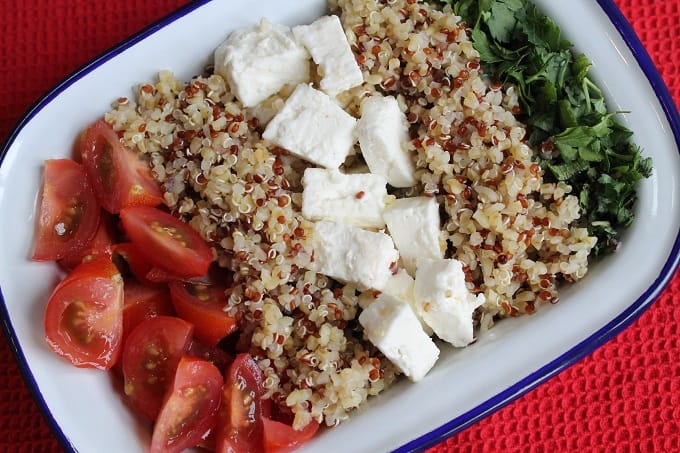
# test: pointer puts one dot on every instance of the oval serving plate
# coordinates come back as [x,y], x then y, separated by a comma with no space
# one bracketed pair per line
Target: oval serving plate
[465,385]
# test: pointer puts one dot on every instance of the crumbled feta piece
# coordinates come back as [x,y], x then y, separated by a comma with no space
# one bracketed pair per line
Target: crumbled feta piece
[446,304]
[326,41]
[413,224]
[390,324]
[352,255]
[258,61]
[357,199]
[382,132]
[313,127]
[401,285]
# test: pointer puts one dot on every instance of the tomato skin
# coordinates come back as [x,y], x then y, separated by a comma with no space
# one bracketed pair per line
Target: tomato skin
[100,245]
[202,305]
[217,356]
[150,356]
[239,426]
[137,264]
[119,177]
[69,212]
[142,302]
[280,437]
[190,406]
[84,315]
[158,275]
[166,242]
[215,276]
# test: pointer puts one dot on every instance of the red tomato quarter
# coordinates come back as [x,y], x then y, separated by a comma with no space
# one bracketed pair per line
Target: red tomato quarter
[167,242]
[119,177]
[100,245]
[84,316]
[216,276]
[142,302]
[216,355]
[150,357]
[69,211]
[135,263]
[280,437]
[189,408]
[203,305]
[239,427]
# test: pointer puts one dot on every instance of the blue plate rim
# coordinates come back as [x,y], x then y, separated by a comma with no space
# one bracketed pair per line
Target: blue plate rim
[460,423]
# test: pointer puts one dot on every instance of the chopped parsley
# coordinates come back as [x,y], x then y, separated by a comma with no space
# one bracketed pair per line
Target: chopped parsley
[578,140]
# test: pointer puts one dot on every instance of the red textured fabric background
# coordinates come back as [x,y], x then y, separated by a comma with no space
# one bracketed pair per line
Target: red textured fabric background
[624,397]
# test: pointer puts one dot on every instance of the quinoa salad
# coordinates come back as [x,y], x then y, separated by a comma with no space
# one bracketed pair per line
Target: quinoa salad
[337,203]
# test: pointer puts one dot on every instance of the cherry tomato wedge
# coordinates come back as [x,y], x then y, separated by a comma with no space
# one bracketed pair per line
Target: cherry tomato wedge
[216,276]
[100,245]
[150,357]
[142,302]
[218,356]
[239,427]
[135,263]
[190,407]
[166,242]
[157,275]
[119,177]
[280,437]
[84,316]
[203,306]
[69,211]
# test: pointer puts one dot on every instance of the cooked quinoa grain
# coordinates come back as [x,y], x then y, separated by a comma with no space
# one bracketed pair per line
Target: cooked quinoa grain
[513,233]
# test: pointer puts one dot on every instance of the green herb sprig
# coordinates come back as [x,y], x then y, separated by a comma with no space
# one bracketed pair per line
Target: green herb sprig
[579,141]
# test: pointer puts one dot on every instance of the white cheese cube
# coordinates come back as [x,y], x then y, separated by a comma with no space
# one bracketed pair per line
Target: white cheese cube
[382,132]
[313,127]
[390,324]
[352,255]
[326,41]
[258,61]
[401,285]
[446,304]
[413,224]
[357,199]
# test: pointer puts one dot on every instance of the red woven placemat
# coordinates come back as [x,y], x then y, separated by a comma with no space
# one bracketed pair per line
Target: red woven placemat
[623,397]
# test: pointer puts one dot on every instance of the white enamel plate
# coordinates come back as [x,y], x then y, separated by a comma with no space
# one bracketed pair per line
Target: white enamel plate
[465,385]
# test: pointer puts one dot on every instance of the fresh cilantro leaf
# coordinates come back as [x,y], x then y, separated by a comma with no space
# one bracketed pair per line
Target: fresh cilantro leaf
[591,153]
[644,166]
[483,46]
[540,30]
[581,67]
[501,19]
[567,152]
[567,170]
[567,113]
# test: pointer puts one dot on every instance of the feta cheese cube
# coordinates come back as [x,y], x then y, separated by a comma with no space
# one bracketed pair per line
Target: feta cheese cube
[401,285]
[326,41]
[313,127]
[357,199]
[413,224]
[390,324]
[382,132]
[258,61]
[445,301]
[352,255]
